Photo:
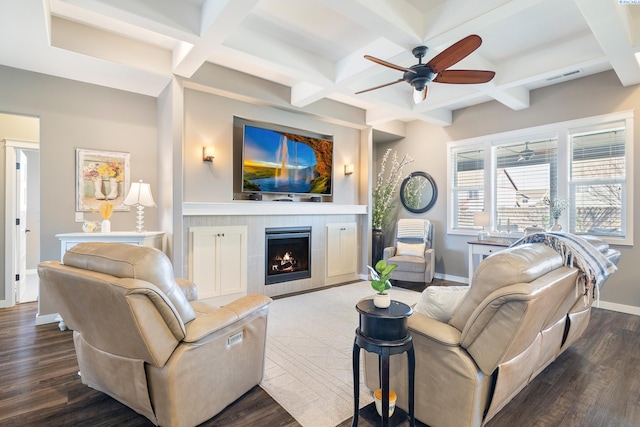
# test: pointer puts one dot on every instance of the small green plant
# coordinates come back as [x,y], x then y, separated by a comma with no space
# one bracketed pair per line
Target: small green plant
[380,276]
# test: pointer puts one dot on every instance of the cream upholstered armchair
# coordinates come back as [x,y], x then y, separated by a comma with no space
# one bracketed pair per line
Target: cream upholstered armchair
[143,338]
[412,251]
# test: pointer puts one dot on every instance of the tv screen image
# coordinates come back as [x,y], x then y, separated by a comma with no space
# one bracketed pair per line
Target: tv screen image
[285,162]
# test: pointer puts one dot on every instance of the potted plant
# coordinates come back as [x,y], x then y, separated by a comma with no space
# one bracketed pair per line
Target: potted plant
[380,283]
[556,207]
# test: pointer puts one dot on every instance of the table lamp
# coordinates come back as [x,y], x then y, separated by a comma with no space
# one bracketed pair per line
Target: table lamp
[482,219]
[140,196]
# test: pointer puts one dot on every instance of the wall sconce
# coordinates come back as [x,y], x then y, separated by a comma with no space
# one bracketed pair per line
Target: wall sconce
[348,169]
[207,153]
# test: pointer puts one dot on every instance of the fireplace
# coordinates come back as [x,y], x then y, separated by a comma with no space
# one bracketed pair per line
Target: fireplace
[288,254]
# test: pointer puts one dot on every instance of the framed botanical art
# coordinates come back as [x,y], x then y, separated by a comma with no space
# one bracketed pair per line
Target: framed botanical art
[101,176]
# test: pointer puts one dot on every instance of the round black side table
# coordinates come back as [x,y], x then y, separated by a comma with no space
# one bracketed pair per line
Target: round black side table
[383,331]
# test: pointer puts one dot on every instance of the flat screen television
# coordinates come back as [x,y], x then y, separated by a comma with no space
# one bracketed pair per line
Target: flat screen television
[282,160]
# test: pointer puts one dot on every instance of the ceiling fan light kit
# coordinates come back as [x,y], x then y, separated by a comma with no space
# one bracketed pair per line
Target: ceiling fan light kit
[420,75]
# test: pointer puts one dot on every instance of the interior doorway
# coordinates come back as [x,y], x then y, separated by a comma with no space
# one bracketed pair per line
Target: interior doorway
[28,234]
[22,208]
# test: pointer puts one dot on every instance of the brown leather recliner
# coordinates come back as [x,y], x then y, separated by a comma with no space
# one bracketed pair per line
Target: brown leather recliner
[145,340]
[521,312]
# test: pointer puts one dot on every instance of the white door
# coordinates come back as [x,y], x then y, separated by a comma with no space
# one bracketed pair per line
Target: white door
[21,219]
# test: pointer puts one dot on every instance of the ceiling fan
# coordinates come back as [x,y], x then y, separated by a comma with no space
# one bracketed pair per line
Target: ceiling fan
[420,75]
[526,154]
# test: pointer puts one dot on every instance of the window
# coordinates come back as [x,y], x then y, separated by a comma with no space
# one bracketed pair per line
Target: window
[524,179]
[513,175]
[467,189]
[597,180]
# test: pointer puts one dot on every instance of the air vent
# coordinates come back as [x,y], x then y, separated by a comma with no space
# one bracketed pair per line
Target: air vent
[562,76]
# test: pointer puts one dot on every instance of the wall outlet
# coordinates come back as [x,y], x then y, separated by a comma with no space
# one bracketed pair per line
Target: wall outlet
[79,216]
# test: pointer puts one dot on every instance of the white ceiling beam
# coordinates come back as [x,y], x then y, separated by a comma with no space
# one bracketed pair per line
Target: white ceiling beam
[94,42]
[534,65]
[305,93]
[397,21]
[219,19]
[176,20]
[613,27]
[455,19]
[353,65]
[516,98]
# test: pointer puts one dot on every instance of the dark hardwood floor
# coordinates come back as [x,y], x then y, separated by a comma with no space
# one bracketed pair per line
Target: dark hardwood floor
[596,382]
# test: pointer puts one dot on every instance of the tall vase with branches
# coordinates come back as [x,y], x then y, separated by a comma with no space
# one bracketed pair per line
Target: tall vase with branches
[385,196]
[385,190]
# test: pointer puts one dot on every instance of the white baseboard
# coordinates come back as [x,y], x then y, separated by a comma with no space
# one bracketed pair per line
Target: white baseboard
[451,278]
[621,308]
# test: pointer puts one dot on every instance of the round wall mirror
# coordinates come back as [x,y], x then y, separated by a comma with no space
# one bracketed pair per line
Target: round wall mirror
[418,192]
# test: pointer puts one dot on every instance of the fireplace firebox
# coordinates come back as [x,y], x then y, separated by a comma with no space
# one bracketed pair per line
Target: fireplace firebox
[288,254]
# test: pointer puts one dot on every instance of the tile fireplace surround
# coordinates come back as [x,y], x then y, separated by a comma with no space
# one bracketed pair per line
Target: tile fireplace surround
[259,215]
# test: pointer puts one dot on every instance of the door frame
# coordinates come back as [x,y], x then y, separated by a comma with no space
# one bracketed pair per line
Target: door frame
[11,230]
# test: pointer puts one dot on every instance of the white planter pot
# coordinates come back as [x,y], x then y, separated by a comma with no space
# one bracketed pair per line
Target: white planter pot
[382,300]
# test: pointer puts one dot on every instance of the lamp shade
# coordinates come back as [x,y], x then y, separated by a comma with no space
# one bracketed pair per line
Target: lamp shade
[480,218]
[139,195]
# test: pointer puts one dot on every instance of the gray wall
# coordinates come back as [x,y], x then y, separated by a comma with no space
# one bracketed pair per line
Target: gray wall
[590,96]
[78,115]
[209,121]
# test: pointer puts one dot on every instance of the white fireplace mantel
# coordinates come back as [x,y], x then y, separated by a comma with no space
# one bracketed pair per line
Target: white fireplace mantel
[270,208]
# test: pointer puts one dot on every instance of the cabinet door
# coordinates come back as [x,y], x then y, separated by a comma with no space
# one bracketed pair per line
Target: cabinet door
[202,260]
[334,251]
[341,249]
[218,261]
[231,248]
[349,249]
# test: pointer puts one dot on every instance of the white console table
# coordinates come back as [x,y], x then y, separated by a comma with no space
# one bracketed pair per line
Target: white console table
[483,248]
[154,239]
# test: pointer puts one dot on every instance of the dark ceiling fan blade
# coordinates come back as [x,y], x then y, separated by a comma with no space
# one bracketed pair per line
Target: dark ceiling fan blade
[454,53]
[388,64]
[381,86]
[464,76]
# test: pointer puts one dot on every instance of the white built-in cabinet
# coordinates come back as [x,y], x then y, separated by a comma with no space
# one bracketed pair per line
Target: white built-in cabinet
[218,262]
[341,252]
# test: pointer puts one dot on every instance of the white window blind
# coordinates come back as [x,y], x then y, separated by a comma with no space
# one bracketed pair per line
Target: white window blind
[525,176]
[597,180]
[467,185]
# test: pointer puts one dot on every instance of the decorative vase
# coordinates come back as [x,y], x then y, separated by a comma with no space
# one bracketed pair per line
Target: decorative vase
[556,226]
[97,185]
[377,245]
[113,189]
[105,227]
[382,300]
[377,395]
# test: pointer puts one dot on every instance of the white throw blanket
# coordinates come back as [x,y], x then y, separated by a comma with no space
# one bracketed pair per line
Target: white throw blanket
[576,252]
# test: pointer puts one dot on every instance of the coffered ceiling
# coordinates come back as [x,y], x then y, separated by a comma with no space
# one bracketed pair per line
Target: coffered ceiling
[316,47]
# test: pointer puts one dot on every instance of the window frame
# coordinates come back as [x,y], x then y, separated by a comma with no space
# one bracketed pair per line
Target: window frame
[563,131]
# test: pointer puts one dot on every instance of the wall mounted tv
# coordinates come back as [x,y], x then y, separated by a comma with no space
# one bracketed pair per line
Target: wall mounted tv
[282,160]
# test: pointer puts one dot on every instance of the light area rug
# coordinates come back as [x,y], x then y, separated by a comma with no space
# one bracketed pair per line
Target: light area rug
[309,352]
